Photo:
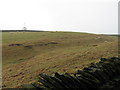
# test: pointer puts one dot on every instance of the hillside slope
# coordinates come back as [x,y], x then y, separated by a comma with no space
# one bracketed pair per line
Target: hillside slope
[26,54]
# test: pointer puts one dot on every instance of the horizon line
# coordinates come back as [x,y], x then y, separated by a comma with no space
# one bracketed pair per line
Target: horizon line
[32,30]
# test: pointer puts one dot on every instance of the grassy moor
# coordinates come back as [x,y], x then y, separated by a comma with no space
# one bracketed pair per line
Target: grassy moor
[27,54]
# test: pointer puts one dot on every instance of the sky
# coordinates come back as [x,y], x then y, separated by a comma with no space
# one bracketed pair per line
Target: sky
[92,16]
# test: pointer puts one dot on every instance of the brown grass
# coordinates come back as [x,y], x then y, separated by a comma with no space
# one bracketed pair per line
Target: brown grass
[59,52]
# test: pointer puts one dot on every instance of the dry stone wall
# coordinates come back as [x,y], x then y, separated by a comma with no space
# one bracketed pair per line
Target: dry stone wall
[104,74]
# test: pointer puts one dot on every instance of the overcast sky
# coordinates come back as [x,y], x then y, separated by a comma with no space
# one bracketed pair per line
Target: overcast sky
[93,16]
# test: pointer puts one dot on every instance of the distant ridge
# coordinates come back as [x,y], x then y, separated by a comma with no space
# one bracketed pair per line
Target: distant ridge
[20,31]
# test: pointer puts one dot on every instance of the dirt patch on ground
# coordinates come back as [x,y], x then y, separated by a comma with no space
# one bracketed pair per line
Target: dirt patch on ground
[15,44]
[44,44]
